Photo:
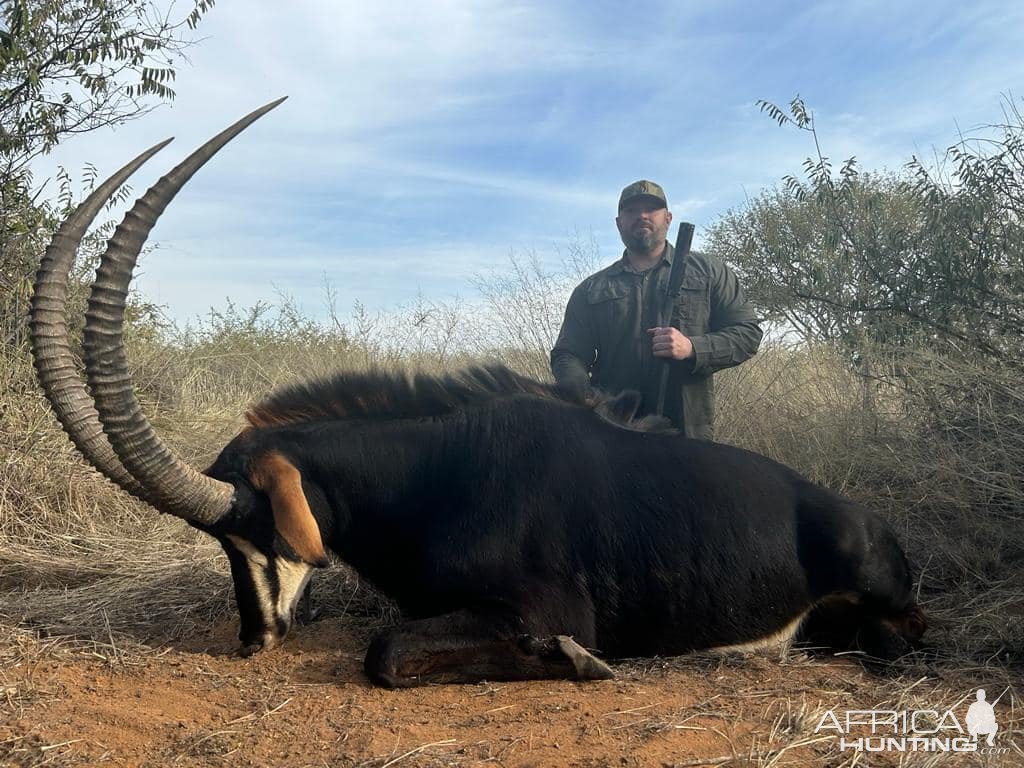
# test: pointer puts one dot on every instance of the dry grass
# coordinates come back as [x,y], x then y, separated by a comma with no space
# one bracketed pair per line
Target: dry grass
[795,712]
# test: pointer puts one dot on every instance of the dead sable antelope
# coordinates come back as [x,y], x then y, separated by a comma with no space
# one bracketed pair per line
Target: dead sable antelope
[515,524]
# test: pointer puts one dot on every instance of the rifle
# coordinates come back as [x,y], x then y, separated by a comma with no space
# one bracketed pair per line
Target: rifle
[684,239]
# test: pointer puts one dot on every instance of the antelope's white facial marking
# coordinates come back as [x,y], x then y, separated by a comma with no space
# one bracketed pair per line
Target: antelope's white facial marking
[291,581]
[278,584]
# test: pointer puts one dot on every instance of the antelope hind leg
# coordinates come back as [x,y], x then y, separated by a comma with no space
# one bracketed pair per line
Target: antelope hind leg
[467,647]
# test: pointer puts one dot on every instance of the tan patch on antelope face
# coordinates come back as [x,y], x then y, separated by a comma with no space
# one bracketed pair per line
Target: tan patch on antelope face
[277,477]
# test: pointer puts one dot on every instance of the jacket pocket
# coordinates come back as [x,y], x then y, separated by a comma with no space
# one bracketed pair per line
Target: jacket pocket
[599,294]
[609,306]
[693,304]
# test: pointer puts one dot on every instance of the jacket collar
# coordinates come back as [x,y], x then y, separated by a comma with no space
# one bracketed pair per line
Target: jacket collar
[622,265]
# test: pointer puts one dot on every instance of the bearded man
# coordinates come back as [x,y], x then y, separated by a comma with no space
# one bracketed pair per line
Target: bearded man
[611,338]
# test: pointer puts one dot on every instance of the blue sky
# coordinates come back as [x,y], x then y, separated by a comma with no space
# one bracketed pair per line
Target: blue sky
[424,141]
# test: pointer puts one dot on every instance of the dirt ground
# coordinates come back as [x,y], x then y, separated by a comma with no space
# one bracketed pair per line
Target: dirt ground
[307,703]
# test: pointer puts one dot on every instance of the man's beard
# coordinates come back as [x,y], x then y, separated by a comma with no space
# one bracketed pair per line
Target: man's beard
[641,239]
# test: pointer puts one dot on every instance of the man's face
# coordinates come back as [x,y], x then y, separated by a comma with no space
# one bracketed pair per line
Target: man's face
[643,224]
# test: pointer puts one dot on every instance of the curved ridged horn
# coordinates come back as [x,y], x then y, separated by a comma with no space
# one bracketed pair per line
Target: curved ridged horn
[170,484]
[51,346]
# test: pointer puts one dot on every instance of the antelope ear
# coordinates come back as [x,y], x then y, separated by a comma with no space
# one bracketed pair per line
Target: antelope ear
[277,477]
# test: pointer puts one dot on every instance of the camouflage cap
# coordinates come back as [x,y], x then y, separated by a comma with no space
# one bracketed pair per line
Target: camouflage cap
[643,188]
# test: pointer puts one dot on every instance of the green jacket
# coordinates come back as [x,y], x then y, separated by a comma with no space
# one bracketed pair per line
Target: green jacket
[604,341]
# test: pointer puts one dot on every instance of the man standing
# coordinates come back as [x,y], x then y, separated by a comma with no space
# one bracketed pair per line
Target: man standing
[611,338]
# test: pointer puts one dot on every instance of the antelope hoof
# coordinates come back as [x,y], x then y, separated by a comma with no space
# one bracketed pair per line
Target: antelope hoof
[588,666]
[248,649]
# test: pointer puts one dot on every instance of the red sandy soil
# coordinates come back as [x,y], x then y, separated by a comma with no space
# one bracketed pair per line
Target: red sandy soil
[307,703]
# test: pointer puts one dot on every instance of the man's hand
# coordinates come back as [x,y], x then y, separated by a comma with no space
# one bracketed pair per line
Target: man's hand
[669,342]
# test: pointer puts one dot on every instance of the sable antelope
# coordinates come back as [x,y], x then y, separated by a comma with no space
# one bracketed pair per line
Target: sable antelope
[516,525]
